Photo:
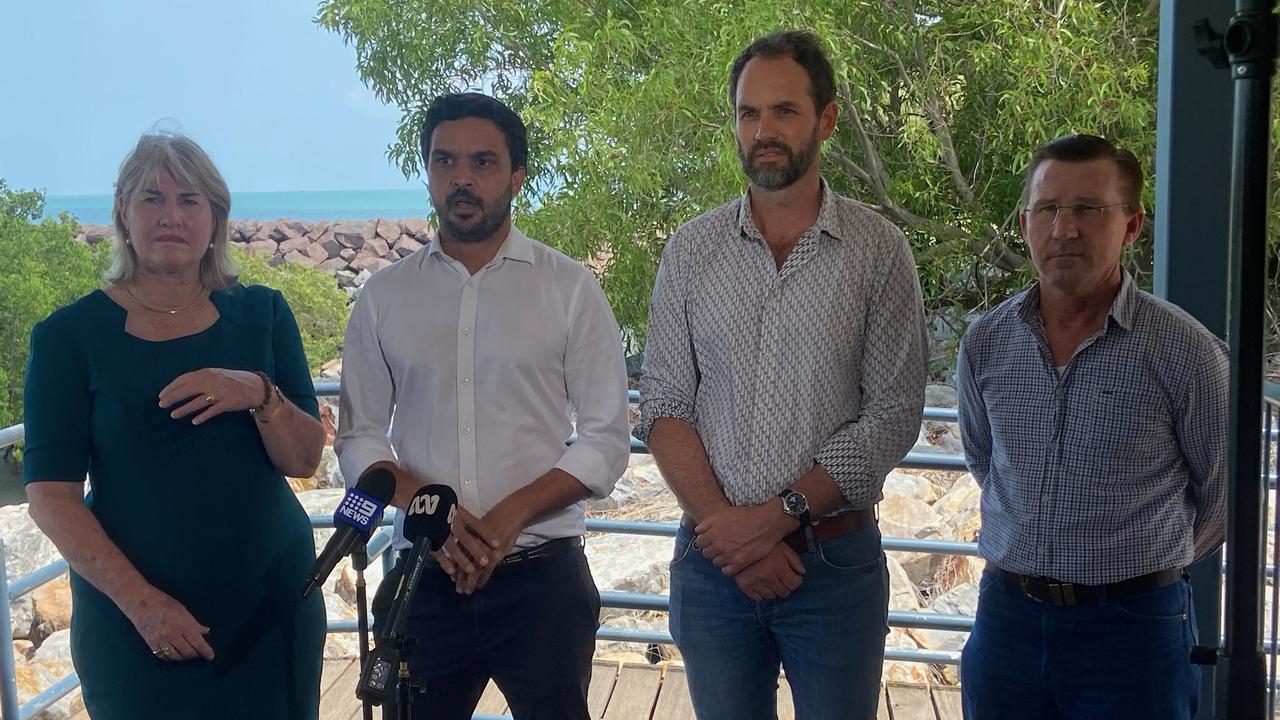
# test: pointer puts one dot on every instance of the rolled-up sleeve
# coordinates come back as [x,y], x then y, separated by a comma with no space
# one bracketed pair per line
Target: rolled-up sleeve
[366,399]
[1201,426]
[975,428]
[861,452]
[669,379]
[596,381]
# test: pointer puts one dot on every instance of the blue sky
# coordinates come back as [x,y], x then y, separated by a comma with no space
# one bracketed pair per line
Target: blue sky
[274,98]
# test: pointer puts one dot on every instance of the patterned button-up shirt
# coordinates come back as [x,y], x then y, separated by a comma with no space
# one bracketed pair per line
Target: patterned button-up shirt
[822,361]
[1116,468]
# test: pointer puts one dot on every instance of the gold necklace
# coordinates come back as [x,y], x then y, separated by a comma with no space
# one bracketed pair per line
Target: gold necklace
[165,311]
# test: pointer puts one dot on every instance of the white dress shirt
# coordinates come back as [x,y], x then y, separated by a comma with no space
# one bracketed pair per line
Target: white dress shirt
[477,378]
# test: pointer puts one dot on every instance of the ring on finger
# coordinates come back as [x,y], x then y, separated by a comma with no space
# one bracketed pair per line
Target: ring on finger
[209,399]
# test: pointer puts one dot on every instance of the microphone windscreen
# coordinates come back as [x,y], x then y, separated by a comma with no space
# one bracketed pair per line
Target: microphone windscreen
[362,506]
[430,514]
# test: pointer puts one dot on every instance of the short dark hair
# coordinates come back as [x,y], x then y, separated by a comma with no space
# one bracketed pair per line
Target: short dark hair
[1087,148]
[800,45]
[456,106]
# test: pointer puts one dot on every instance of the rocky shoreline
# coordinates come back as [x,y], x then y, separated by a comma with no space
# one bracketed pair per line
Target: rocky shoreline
[350,251]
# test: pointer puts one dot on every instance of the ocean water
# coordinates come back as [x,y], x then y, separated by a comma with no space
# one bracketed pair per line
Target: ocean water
[292,204]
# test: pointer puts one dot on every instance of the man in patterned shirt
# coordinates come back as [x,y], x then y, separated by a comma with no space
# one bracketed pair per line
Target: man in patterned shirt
[1094,417]
[783,379]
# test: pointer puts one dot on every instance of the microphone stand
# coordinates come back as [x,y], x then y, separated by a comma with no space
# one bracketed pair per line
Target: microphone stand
[360,561]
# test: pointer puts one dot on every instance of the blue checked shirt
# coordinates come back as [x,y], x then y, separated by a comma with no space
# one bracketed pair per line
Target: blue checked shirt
[820,362]
[1113,470]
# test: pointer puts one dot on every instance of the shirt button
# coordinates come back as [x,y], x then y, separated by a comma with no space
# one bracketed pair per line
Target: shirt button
[466,381]
[468,482]
[466,431]
[466,331]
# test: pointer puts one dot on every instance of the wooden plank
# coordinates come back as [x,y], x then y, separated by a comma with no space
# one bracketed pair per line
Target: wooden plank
[946,700]
[338,695]
[635,693]
[786,702]
[882,706]
[491,701]
[909,702]
[673,699]
[603,676]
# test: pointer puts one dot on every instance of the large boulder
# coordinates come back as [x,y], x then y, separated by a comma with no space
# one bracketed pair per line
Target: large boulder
[959,510]
[52,603]
[900,483]
[905,516]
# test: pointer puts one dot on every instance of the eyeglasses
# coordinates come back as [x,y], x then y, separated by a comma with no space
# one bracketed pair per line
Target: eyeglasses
[1083,213]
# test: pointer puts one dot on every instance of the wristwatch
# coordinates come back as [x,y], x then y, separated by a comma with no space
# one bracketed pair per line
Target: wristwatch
[795,504]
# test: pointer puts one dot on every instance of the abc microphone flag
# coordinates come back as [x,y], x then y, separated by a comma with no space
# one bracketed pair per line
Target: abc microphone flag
[427,523]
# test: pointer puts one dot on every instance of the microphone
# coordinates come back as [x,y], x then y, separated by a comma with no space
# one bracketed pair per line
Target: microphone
[356,517]
[427,523]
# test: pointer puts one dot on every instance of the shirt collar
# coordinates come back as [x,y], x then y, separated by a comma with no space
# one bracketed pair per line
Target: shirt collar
[517,246]
[825,222]
[1121,310]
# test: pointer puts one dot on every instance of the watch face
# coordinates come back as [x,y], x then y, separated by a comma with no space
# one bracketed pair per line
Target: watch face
[795,503]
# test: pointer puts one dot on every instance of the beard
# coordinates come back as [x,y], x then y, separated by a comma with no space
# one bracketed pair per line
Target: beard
[769,176]
[485,221]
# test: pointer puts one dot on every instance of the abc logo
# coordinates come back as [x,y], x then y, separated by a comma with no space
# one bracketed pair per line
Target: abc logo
[427,505]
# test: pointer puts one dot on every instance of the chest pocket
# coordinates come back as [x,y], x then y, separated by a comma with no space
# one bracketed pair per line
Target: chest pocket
[1127,426]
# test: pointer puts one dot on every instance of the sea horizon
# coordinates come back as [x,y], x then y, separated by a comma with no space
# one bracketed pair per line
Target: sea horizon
[305,205]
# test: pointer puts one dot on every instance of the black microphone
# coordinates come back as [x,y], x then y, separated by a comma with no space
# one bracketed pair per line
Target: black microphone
[427,523]
[356,517]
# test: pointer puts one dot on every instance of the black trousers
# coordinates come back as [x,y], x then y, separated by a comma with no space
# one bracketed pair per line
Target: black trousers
[531,630]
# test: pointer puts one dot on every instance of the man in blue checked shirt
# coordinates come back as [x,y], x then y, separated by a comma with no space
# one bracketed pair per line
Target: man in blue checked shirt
[1094,418]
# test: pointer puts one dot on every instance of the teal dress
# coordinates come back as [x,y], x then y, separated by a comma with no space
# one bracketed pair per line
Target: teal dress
[198,509]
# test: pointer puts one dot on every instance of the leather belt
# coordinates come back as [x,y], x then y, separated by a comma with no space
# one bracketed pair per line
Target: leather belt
[1056,592]
[551,548]
[822,530]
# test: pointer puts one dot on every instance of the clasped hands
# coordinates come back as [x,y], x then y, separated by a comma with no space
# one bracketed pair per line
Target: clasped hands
[746,544]
[476,546]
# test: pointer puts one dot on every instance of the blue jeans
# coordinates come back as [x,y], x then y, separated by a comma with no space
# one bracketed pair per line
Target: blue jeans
[828,635]
[1128,657]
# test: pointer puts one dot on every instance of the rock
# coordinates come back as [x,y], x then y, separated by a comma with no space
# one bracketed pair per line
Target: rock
[633,651]
[331,369]
[340,645]
[261,247]
[641,480]
[960,600]
[902,591]
[416,227]
[908,517]
[369,262]
[55,648]
[347,254]
[296,243]
[901,483]
[363,276]
[284,230]
[333,265]
[369,230]
[23,649]
[387,231]
[297,258]
[920,568]
[630,563]
[940,396]
[25,547]
[52,603]
[959,510]
[328,475]
[22,615]
[266,231]
[332,248]
[377,245]
[346,278]
[317,253]
[320,230]
[408,246]
[349,234]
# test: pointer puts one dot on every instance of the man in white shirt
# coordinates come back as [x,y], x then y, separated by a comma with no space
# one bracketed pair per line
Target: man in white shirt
[482,347]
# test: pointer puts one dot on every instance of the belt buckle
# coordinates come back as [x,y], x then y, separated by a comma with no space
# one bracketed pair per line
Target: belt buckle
[1061,593]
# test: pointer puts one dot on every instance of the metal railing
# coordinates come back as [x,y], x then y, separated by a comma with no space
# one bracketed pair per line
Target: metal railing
[380,543]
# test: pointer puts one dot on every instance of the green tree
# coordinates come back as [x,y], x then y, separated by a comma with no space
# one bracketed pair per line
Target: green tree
[318,305]
[940,105]
[44,268]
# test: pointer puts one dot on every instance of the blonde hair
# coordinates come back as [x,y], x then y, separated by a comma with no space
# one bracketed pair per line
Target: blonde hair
[192,169]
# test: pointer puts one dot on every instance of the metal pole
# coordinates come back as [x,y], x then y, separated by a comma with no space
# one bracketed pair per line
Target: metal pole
[8,683]
[1250,42]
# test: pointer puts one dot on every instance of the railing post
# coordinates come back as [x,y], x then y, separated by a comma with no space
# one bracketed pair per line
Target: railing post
[8,671]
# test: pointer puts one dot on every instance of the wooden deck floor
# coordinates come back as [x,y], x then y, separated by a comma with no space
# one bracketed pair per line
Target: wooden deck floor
[645,692]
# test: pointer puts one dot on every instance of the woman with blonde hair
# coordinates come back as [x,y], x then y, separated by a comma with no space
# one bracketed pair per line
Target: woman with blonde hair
[186,397]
